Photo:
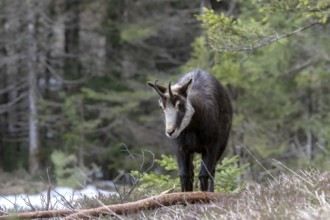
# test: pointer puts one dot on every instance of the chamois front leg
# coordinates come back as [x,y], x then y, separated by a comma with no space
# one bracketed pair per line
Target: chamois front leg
[186,171]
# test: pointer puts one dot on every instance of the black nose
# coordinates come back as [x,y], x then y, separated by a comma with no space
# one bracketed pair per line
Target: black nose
[170,132]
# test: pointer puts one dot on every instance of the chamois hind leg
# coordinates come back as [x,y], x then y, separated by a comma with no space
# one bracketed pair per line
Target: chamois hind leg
[206,174]
[211,183]
[186,171]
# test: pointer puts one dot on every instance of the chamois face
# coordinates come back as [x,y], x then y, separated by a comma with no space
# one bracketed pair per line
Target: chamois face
[176,107]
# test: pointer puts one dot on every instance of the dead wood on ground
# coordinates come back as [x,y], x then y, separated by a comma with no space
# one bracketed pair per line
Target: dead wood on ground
[119,209]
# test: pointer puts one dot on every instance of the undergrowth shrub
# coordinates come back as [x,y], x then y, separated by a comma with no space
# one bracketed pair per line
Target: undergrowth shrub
[67,172]
[226,176]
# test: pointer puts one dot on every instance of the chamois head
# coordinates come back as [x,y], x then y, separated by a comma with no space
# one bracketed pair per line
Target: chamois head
[176,106]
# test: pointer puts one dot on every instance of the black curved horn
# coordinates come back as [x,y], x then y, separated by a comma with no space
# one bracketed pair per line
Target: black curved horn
[169,89]
[157,90]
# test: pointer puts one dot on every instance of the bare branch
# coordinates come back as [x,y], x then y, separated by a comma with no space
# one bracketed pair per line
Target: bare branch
[266,40]
[6,107]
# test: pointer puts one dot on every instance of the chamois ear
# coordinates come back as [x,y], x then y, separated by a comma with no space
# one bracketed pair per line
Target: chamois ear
[159,89]
[185,89]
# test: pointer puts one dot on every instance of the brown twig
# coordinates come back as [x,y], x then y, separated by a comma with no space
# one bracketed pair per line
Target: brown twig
[144,204]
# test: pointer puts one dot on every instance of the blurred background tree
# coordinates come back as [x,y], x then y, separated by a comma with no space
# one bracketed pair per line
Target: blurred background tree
[73,73]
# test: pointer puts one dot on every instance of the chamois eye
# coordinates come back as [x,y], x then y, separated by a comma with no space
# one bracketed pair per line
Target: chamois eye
[180,107]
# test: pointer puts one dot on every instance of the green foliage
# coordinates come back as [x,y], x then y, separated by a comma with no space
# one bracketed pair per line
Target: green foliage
[66,170]
[167,162]
[200,57]
[227,33]
[159,182]
[226,176]
[305,8]
[254,28]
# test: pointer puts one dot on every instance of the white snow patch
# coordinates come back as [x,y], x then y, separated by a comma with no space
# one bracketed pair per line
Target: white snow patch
[60,197]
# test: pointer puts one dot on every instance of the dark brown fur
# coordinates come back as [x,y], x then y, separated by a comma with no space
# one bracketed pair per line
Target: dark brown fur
[208,131]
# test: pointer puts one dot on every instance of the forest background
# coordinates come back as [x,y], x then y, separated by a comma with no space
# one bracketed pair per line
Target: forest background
[73,79]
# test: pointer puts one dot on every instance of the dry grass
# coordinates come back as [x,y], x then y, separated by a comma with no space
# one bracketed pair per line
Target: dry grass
[298,195]
[305,195]
[302,195]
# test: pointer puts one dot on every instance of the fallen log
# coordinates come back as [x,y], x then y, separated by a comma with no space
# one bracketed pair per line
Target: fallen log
[119,209]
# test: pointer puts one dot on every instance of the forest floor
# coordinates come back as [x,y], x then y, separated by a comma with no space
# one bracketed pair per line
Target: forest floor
[20,182]
[299,195]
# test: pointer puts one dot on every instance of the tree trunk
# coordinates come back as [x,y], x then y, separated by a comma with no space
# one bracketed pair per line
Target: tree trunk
[113,17]
[72,67]
[34,160]
[3,96]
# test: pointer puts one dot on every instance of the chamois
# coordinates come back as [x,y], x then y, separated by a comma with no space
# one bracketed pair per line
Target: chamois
[198,117]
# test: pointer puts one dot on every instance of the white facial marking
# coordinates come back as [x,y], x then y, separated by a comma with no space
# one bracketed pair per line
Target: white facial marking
[171,116]
[170,119]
